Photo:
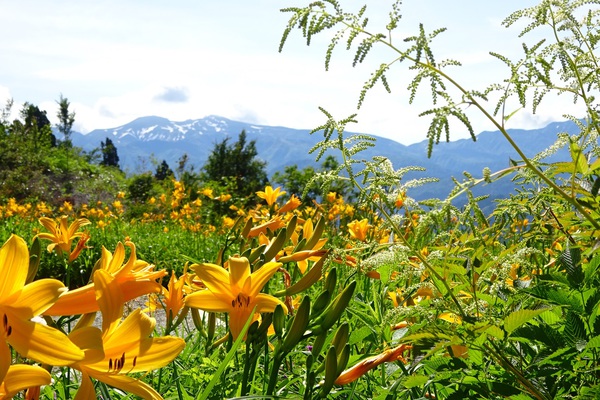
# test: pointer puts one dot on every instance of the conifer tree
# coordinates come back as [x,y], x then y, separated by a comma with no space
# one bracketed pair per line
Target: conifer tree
[110,156]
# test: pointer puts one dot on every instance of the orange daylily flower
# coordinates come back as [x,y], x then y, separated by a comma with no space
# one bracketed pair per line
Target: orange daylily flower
[61,234]
[235,291]
[293,203]
[135,278]
[20,377]
[272,224]
[172,297]
[367,364]
[358,229]
[19,303]
[122,346]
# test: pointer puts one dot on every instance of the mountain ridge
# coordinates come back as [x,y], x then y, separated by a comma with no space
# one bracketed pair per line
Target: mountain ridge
[146,137]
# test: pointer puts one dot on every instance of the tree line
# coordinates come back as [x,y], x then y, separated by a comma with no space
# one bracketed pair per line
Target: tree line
[35,164]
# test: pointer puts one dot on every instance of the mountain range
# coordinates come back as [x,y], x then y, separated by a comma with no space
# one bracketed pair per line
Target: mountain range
[147,138]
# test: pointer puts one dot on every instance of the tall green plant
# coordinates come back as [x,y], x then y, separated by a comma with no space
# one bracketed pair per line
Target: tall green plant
[511,304]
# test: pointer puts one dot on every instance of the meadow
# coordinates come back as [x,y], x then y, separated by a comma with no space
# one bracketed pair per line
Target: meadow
[378,297]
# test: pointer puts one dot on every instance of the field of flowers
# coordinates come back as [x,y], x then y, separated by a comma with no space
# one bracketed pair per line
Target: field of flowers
[382,298]
[64,266]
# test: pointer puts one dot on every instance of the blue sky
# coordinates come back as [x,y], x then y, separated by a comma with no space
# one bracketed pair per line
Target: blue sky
[117,60]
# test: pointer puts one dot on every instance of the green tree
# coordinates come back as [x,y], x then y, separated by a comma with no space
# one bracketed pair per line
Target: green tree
[110,157]
[37,127]
[66,119]
[163,171]
[238,166]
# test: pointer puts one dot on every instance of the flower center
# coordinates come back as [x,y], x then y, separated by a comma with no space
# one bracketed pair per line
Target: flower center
[115,365]
[241,301]
[5,326]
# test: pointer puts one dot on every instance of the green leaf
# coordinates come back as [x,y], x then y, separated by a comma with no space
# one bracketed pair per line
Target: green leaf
[594,342]
[518,318]
[415,380]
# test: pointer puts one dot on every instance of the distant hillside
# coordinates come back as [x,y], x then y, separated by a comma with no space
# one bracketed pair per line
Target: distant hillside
[280,147]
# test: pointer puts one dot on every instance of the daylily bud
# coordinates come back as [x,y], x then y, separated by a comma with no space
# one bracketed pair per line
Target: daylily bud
[299,325]
[331,371]
[273,225]
[302,255]
[343,357]
[35,252]
[253,256]
[330,282]
[309,279]
[336,308]
[277,245]
[247,228]
[367,364]
[291,227]
[212,323]
[314,239]
[320,304]
[318,344]
[278,320]
[341,337]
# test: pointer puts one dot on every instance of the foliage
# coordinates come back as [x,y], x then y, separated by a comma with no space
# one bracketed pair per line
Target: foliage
[305,183]
[510,299]
[236,167]
[110,156]
[384,297]
[66,119]
[163,171]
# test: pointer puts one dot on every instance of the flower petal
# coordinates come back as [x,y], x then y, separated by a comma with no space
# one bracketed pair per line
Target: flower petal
[38,296]
[130,331]
[112,263]
[75,225]
[21,376]
[14,264]
[209,301]
[130,385]
[40,342]
[260,277]
[151,353]
[79,301]
[109,298]
[265,303]
[89,339]
[215,278]
[86,389]
[239,271]
[5,360]
[49,224]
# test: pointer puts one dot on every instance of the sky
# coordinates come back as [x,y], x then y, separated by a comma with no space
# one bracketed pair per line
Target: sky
[117,60]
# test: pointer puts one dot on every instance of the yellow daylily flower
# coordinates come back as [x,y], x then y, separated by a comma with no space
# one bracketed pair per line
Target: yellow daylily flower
[20,377]
[358,229]
[270,195]
[122,347]
[60,233]
[19,303]
[135,278]
[236,291]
